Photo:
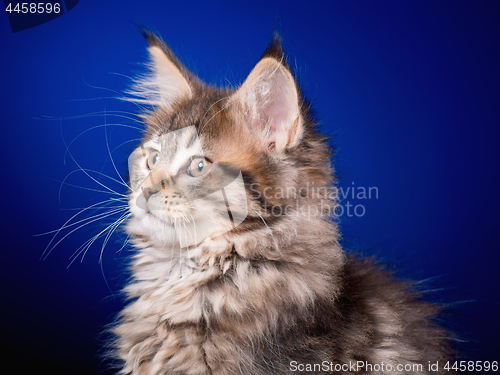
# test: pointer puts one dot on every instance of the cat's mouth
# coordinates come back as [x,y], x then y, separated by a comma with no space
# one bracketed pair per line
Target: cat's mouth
[166,218]
[169,222]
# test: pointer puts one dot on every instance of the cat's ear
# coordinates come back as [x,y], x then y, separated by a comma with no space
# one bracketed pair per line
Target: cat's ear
[168,80]
[270,101]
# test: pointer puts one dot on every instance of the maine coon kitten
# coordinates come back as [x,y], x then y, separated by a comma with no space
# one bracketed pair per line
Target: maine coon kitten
[238,269]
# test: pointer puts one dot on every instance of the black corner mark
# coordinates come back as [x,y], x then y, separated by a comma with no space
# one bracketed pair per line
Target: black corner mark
[70,4]
[27,14]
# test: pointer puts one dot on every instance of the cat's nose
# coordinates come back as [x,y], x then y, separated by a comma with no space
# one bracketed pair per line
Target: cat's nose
[149,191]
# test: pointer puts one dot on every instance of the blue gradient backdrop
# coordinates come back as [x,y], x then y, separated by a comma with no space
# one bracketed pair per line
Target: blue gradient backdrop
[409,91]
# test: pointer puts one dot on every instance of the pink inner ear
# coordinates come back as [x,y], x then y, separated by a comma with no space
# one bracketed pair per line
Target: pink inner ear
[277,116]
[270,103]
[274,114]
[279,113]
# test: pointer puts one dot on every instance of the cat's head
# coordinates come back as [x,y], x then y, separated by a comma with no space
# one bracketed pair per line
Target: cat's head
[217,161]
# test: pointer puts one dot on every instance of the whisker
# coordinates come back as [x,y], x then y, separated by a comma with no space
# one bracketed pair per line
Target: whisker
[63,182]
[110,155]
[71,218]
[106,89]
[98,208]
[86,172]
[93,128]
[77,186]
[87,244]
[125,243]
[120,114]
[100,216]
[123,143]
[187,232]
[115,226]
[171,257]
[82,220]
[194,227]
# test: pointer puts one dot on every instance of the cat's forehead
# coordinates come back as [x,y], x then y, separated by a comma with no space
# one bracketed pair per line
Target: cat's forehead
[186,137]
[205,111]
[221,133]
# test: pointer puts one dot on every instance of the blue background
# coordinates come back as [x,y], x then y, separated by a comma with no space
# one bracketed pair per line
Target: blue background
[408,90]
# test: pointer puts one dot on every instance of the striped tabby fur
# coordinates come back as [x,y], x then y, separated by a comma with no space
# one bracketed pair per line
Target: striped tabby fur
[277,291]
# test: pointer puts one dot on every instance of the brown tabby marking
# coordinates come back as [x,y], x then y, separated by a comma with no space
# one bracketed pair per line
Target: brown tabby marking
[276,289]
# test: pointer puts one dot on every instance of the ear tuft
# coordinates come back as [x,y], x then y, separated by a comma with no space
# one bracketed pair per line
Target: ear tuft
[154,40]
[275,48]
[168,80]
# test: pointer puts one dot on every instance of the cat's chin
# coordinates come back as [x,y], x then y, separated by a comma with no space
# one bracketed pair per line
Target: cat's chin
[163,231]
[157,232]
[157,218]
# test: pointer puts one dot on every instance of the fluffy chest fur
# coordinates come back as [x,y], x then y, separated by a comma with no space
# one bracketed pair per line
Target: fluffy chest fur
[214,311]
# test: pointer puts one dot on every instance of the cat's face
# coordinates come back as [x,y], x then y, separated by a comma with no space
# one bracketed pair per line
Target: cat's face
[179,194]
[216,161]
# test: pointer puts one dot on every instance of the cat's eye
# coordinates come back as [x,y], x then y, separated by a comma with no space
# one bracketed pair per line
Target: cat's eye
[152,159]
[198,167]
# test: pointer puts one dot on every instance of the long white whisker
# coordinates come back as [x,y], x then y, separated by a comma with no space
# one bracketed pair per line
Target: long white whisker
[171,257]
[87,244]
[81,249]
[179,233]
[194,228]
[112,230]
[81,226]
[63,182]
[106,89]
[118,200]
[43,256]
[187,230]
[110,155]
[121,144]
[93,128]
[113,208]
[125,243]
[105,242]
[119,114]
[86,172]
